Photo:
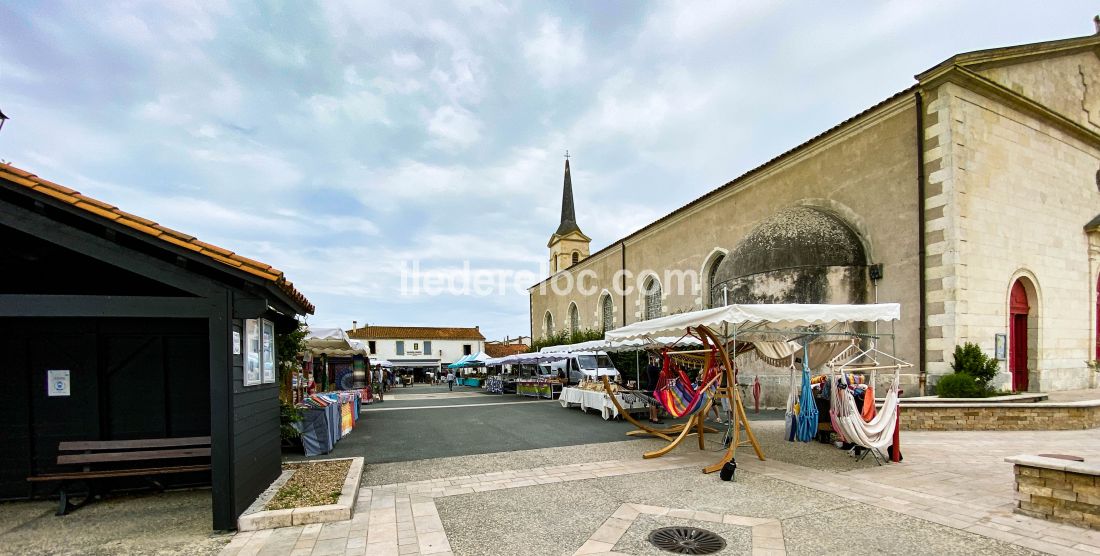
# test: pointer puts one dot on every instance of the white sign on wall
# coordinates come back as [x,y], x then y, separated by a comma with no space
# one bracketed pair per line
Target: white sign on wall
[57,383]
[236,343]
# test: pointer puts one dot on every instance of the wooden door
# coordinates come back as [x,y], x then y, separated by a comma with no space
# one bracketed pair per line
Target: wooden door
[1017,337]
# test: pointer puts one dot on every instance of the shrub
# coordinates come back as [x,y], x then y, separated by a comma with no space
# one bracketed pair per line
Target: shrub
[969,359]
[959,385]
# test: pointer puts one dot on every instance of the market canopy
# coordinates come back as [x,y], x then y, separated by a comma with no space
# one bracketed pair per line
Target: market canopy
[526,358]
[333,342]
[775,316]
[621,345]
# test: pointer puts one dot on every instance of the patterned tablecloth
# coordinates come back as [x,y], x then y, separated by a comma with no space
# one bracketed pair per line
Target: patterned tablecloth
[592,399]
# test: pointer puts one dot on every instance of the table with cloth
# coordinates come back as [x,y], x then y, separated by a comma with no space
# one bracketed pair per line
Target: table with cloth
[598,399]
[326,418]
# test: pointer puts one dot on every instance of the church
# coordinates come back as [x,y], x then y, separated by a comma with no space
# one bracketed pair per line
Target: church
[972,198]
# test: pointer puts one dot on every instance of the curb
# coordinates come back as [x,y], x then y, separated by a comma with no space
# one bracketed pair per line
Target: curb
[340,511]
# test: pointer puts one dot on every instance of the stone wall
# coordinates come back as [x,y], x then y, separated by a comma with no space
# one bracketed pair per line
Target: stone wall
[864,172]
[1000,417]
[1066,496]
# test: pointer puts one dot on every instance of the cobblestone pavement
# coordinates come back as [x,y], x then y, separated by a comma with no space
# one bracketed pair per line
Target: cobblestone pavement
[953,489]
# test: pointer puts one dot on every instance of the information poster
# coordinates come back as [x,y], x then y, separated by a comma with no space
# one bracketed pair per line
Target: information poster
[57,383]
[268,355]
[252,352]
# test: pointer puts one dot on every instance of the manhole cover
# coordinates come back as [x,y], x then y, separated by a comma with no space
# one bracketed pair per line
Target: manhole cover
[686,540]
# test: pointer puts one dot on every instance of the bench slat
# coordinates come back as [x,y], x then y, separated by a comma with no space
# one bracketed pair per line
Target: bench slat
[132,444]
[119,473]
[143,455]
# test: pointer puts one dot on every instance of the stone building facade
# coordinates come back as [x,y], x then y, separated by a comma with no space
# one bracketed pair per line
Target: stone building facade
[969,198]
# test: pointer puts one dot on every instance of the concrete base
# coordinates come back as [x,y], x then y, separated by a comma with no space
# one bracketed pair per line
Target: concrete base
[257,518]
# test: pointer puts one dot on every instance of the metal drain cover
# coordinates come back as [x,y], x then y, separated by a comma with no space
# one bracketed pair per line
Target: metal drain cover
[686,540]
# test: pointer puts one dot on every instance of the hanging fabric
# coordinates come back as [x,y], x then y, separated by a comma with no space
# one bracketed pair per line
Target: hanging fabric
[674,389]
[807,415]
[878,433]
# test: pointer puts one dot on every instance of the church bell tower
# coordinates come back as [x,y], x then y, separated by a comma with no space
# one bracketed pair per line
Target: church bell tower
[568,245]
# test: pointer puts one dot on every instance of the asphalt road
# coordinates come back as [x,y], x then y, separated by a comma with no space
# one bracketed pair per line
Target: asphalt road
[414,429]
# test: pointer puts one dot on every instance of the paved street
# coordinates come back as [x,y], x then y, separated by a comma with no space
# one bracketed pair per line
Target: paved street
[468,473]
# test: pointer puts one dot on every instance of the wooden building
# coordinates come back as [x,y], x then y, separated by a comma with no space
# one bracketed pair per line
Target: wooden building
[146,332]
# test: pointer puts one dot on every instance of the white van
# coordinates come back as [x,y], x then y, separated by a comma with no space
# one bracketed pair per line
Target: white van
[582,364]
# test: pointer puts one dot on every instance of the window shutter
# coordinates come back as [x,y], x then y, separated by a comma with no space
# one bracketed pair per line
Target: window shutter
[427,347]
[400,347]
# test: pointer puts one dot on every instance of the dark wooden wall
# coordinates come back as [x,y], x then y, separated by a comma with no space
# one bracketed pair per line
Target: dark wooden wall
[256,452]
[130,378]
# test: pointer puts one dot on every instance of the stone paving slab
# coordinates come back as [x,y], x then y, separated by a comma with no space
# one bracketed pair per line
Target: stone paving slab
[957,482]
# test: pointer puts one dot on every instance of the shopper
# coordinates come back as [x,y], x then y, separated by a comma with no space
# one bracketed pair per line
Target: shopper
[450,381]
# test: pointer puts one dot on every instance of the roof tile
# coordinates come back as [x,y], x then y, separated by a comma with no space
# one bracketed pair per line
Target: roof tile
[148,227]
[416,333]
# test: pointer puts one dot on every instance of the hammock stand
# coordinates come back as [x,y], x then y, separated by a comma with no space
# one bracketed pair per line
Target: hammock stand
[882,429]
[744,322]
[725,392]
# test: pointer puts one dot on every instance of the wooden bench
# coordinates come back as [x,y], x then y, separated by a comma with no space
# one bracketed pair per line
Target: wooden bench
[105,459]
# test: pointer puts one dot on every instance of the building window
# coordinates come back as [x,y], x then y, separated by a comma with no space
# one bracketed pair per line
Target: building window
[652,298]
[606,310]
[400,347]
[427,347]
[574,319]
[576,257]
[713,300]
[548,324]
[466,349]
[416,346]
[372,348]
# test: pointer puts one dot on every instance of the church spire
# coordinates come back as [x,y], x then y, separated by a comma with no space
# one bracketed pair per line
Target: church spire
[568,214]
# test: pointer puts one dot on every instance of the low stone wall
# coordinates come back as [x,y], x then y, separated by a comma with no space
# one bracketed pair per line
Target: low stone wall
[1058,490]
[1000,416]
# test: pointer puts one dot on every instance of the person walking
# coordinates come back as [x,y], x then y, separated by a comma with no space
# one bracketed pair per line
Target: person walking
[450,381]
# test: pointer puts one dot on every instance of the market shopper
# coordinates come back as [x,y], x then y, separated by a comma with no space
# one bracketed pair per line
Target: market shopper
[450,381]
[653,374]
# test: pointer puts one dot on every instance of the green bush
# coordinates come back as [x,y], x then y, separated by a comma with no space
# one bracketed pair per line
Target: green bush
[959,385]
[969,359]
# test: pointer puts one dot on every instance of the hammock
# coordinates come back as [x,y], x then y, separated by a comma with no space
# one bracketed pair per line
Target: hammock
[806,428]
[878,433]
[675,392]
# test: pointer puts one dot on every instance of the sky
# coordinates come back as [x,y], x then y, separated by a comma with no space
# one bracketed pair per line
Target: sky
[350,143]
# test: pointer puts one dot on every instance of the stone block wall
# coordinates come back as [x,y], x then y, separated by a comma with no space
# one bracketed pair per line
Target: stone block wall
[1058,495]
[1002,417]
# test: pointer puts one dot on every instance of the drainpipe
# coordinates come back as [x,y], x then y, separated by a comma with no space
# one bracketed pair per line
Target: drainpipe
[922,314]
[622,278]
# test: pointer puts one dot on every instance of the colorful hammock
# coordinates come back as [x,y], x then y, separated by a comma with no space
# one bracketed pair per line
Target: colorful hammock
[674,389]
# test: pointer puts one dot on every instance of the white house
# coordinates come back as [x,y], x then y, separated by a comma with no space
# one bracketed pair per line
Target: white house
[420,349]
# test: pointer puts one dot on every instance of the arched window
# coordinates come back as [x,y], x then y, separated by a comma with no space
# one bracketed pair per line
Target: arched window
[548,324]
[606,310]
[652,298]
[576,257]
[712,299]
[574,318]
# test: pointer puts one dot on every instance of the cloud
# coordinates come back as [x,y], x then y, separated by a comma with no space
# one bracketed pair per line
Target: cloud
[554,54]
[454,128]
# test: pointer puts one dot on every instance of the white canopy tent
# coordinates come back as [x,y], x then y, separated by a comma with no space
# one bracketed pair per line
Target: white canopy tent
[784,316]
[620,345]
[333,342]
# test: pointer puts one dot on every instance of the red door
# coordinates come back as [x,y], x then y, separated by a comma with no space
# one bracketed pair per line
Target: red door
[1017,337]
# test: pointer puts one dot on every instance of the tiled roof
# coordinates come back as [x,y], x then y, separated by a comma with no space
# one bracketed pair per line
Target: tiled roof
[501,350]
[415,333]
[148,227]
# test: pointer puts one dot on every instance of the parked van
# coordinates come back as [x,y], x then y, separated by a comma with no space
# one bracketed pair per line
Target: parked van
[580,365]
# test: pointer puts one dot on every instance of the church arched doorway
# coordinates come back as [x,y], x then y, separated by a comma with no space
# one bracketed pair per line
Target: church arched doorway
[1018,311]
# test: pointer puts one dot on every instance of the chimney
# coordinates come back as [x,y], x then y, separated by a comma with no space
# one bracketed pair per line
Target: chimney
[354,325]
[1096,22]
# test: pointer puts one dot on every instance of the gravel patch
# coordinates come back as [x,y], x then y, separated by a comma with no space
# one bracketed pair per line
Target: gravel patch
[316,483]
[860,529]
[636,539]
[175,522]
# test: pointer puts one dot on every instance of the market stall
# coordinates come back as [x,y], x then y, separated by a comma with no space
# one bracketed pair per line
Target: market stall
[326,418]
[722,332]
[591,395]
